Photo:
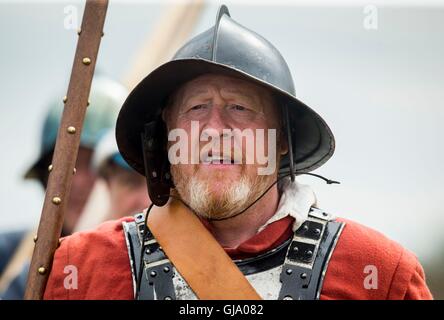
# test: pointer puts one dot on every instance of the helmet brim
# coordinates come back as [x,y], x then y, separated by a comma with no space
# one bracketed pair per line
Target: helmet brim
[313,141]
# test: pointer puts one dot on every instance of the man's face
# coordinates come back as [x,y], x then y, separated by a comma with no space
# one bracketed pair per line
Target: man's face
[217,103]
[128,192]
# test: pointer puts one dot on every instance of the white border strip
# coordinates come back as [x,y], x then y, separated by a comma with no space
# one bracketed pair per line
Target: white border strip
[293,3]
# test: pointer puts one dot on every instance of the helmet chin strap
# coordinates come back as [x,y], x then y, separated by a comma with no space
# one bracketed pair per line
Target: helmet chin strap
[292,173]
[290,143]
[145,228]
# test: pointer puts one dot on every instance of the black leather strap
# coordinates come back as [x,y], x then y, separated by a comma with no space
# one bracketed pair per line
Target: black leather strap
[308,256]
[264,262]
[157,277]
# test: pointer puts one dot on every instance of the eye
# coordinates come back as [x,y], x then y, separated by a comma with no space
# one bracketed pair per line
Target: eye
[197,107]
[238,107]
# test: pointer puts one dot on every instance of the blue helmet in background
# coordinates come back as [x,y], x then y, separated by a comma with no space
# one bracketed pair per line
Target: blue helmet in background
[106,98]
[107,151]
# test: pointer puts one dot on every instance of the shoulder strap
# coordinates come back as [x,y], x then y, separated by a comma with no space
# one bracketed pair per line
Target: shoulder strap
[185,240]
[308,255]
[156,283]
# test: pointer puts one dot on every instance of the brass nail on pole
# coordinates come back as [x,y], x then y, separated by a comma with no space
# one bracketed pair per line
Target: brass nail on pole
[66,147]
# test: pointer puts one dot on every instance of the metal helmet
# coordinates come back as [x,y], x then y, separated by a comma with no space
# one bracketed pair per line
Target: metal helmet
[105,100]
[231,49]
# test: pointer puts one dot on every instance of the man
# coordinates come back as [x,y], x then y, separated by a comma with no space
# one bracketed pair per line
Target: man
[106,98]
[222,139]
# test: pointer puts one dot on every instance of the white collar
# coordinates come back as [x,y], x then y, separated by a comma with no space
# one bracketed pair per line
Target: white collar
[296,201]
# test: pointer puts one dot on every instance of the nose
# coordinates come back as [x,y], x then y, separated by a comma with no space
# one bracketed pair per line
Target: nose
[217,119]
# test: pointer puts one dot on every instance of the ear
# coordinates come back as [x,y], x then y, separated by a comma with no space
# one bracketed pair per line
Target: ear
[165,116]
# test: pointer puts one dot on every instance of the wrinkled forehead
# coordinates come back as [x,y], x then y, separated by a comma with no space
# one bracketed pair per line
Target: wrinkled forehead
[220,82]
[227,85]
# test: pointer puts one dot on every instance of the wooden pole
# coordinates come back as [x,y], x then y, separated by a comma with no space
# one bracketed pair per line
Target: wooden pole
[66,147]
[169,33]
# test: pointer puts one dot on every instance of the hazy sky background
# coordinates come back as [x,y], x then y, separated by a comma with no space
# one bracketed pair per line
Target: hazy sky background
[381,91]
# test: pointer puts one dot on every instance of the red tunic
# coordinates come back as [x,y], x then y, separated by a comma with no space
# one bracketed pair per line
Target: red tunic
[101,258]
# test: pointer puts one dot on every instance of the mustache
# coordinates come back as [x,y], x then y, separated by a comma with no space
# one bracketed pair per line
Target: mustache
[220,157]
[232,146]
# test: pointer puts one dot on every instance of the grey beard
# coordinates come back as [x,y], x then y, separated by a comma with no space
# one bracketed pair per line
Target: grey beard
[234,199]
[196,193]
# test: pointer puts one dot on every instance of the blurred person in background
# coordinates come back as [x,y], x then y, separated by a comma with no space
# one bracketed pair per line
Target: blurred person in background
[125,189]
[16,247]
